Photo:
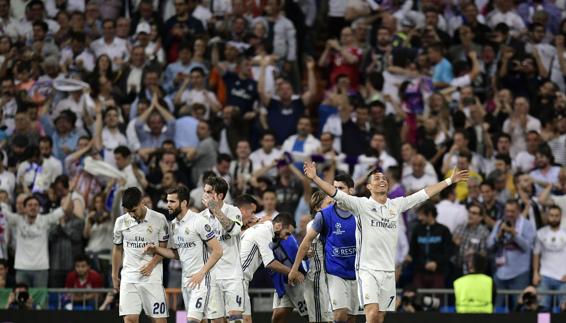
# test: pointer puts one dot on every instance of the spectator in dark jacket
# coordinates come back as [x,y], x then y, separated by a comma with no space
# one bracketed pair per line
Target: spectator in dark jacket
[431,249]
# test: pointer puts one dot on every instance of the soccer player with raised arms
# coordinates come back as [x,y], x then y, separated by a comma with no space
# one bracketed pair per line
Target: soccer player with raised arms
[376,234]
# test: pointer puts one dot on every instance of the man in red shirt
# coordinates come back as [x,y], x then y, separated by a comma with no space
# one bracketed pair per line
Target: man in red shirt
[83,277]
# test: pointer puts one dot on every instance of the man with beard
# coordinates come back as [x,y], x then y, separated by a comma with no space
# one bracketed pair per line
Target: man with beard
[256,250]
[192,234]
[377,234]
[549,274]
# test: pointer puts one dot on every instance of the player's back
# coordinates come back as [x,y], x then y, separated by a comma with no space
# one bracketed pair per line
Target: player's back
[253,241]
[134,237]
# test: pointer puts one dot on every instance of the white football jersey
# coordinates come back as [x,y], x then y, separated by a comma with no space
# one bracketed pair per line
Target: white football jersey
[377,226]
[189,236]
[134,237]
[229,266]
[316,261]
[256,248]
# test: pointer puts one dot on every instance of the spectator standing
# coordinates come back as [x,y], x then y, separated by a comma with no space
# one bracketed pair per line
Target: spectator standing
[470,239]
[512,240]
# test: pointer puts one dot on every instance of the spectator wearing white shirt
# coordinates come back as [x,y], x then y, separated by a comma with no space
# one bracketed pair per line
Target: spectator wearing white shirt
[269,203]
[77,56]
[408,151]
[301,145]
[197,93]
[32,253]
[133,176]
[549,272]
[7,179]
[525,160]
[419,178]
[111,45]
[545,172]
[35,11]
[108,136]
[505,13]
[241,168]
[376,156]
[34,174]
[519,123]
[450,213]
[49,161]
[267,154]
[78,102]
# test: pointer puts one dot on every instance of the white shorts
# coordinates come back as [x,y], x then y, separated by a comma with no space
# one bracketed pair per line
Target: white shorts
[377,287]
[149,296]
[315,292]
[225,296]
[247,300]
[293,298]
[196,301]
[344,294]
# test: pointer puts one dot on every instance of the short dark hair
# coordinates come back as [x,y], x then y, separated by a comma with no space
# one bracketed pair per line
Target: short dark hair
[131,198]
[476,204]
[183,193]
[199,70]
[81,258]
[29,198]
[63,180]
[41,24]
[268,133]
[504,157]
[465,154]
[513,202]
[20,285]
[218,184]
[207,174]
[269,190]
[488,182]
[345,178]
[428,208]
[245,199]
[223,158]
[479,263]
[123,151]
[286,219]
[555,207]
[46,139]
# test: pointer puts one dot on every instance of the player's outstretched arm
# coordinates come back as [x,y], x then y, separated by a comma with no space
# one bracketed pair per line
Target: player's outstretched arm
[163,252]
[294,274]
[457,177]
[117,253]
[310,172]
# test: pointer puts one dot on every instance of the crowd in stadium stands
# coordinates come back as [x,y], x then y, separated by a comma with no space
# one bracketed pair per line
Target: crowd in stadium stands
[101,95]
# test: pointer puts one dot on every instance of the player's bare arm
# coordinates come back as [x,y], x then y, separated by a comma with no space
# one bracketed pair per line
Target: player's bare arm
[216,253]
[214,207]
[294,275]
[275,265]
[117,254]
[457,177]
[310,172]
[164,252]
[157,258]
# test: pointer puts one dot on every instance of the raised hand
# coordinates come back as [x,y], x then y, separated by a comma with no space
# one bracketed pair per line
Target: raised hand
[310,170]
[460,175]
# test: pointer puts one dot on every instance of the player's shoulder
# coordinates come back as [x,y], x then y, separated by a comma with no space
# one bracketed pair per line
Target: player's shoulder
[153,215]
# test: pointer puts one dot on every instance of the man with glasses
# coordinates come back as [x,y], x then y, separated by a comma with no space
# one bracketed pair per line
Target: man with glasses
[470,238]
